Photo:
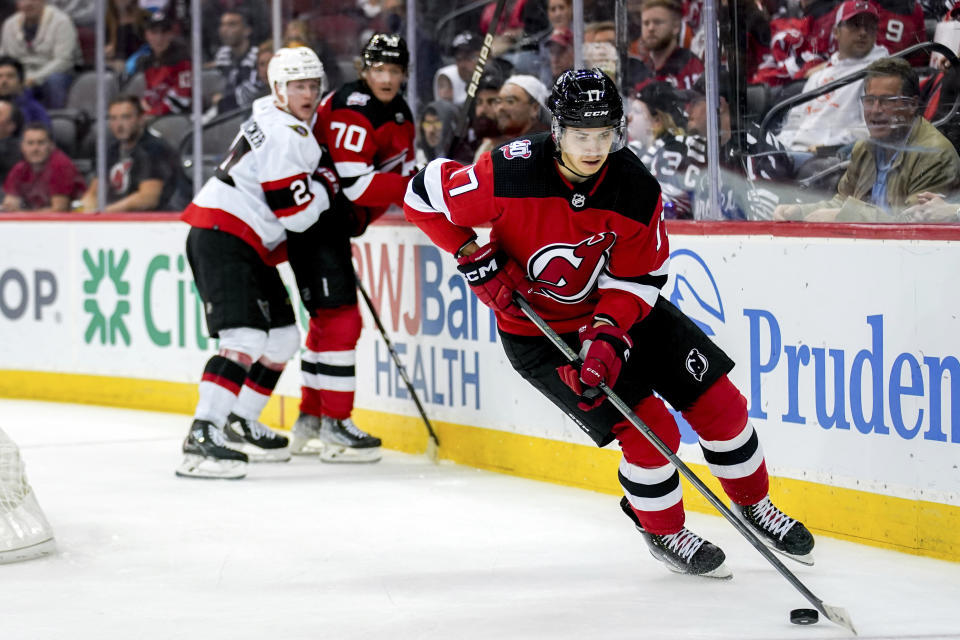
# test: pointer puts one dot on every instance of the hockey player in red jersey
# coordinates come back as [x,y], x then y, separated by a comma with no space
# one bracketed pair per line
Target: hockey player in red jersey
[369,130]
[576,227]
[265,190]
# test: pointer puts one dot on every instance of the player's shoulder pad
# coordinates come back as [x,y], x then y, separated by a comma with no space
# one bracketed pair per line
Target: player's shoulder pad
[523,167]
[635,192]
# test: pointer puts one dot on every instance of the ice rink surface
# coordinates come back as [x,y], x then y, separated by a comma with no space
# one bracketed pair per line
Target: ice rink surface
[399,549]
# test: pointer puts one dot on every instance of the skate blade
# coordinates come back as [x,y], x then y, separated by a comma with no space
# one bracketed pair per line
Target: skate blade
[194,466]
[720,573]
[805,559]
[347,455]
[311,447]
[40,549]
[268,455]
[256,454]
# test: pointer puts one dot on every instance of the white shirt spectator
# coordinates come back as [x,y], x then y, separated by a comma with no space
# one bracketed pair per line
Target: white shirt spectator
[833,118]
[54,48]
[459,86]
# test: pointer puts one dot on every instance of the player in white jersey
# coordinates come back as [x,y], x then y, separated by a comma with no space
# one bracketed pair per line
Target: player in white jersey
[266,188]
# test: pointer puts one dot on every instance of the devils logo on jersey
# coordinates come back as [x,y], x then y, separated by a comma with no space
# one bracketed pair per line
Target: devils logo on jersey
[568,273]
[516,149]
[120,176]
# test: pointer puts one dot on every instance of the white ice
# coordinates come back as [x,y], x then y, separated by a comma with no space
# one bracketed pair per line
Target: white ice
[399,549]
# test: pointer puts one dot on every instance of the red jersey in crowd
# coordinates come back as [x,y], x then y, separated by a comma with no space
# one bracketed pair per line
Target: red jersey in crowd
[596,248]
[168,77]
[58,177]
[682,69]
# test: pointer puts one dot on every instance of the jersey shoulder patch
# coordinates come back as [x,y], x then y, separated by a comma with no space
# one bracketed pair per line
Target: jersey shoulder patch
[299,129]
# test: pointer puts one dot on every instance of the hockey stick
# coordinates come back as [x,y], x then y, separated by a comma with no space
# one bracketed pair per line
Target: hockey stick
[837,615]
[478,68]
[433,443]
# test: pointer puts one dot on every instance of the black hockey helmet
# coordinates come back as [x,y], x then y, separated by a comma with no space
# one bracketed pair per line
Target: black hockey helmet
[588,99]
[384,47]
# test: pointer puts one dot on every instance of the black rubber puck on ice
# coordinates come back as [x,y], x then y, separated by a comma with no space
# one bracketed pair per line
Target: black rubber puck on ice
[804,616]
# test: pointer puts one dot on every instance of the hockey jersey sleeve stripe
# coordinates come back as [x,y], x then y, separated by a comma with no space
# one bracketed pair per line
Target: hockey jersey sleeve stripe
[356,188]
[433,185]
[352,169]
[284,183]
[417,197]
[647,293]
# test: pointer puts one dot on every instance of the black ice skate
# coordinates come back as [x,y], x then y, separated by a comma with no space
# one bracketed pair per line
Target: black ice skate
[778,531]
[343,441]
[683,552]
[206,454]
[306,436]
[260,443]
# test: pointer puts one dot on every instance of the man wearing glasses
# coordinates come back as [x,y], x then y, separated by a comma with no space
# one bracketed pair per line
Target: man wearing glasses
[904,156]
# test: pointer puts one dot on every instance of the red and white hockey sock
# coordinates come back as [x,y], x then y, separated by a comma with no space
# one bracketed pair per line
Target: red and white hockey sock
[729,442]
[256,391]
[329,363]
[219,386]
[650,483]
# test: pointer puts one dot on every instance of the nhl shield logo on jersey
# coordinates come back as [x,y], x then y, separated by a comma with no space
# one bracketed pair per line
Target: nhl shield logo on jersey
[697,364]
[358,99]
[399,117]
[516,149]
[567,272]
[578,200]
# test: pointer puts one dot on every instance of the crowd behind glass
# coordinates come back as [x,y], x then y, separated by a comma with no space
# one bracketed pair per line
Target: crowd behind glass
[879,147]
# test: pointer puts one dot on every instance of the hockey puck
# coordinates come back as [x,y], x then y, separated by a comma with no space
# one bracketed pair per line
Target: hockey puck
[804,616]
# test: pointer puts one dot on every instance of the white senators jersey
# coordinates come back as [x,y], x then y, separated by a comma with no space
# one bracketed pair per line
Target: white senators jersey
[265,184]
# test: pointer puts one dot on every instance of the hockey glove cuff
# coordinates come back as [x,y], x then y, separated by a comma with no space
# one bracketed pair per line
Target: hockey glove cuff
[603,351]
[493,276]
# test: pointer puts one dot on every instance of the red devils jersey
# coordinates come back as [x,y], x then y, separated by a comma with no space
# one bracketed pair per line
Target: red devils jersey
[371,144]
[901,25]
[597,248]
[682,69]
[168,81]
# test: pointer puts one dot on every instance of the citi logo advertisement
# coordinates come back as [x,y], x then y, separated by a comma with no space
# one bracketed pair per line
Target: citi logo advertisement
[860,386]
[126,302]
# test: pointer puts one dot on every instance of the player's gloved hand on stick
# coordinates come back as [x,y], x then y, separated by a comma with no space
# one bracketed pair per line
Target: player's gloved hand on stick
[603,350]
[493,276]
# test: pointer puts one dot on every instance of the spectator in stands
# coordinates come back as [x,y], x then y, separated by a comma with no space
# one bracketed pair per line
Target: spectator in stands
[903,157]
[664,59]
[11,87]
[142,170]
[933,207]
[437,127]
[450,82]
[228,102]
[125,27]
[298,32]
[560,48]
[656,116]
[11,122]
[44,40]
[519,110]
[745,152]
[521,107]
[560,14]
[258,10]
[166,69]
[45,180]
[236,60]
[835,118]
[482,122]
